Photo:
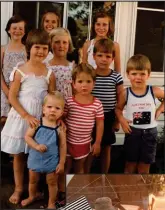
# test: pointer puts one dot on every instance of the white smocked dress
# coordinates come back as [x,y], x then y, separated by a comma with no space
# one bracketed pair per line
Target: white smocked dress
[10,60]
[32,92]
[90,58]
[63,75]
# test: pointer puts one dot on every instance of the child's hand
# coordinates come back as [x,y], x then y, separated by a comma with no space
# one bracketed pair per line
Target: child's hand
[32,121]
[116,126]
[60,168]
[157,114]
[41,148]
[125,125]
[95,149]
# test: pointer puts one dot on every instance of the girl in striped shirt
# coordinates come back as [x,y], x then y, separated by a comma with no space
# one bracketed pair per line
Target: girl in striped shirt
[82,110]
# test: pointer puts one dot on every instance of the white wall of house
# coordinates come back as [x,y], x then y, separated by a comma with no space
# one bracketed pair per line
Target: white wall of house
[125,25]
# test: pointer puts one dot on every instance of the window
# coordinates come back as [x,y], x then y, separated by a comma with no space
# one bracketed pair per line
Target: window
[150,37]
[78,17]
[36,9]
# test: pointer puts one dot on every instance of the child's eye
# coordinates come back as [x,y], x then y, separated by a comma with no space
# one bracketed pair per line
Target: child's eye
[58,108]
[49,107]
[89,81]
[104,24]
[79,81]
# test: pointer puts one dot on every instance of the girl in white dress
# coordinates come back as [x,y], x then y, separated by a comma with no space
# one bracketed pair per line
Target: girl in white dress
[11,54]
[101,28]
[30,82]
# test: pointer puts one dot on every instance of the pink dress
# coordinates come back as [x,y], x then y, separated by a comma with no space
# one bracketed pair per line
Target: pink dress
[9,61]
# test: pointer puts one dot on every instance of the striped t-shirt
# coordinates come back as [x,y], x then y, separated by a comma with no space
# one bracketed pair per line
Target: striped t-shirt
[80,119]
[105,89]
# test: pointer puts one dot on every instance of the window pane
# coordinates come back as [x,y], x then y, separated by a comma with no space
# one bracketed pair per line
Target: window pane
[150,4]
[23,8]
[78,14]
[46,6]
[150,37]
[109,7]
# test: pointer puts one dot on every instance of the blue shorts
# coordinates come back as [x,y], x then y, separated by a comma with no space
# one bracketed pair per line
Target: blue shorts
[140,145]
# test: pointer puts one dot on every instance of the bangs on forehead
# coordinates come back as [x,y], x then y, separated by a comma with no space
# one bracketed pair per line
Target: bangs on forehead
[40,40]
[138,65]
[104,49]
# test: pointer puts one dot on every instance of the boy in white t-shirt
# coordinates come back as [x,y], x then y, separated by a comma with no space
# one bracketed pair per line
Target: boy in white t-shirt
[140,121]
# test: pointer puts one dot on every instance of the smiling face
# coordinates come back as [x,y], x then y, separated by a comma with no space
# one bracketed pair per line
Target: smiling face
[53,108]
[50,22]
[60,45]
[38,52]
[138,78]
[17,30]
[102,27]
[84,83]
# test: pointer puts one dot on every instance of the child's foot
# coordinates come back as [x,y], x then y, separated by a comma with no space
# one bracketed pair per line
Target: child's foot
[51,206]
[30,200]
[15,197]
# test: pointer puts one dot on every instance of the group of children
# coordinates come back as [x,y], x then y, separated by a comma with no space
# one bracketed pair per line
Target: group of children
[64,115]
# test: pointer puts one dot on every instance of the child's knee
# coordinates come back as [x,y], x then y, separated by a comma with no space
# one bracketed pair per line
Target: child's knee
[51,179]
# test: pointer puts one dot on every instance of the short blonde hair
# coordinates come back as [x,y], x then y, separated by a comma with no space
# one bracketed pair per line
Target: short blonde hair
[54,95]
[62,31]
[139,62]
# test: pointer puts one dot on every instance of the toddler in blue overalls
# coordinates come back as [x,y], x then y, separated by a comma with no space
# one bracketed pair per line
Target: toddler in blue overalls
[46,142]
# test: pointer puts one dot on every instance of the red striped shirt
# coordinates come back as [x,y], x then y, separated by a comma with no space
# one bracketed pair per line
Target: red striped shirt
[81,118]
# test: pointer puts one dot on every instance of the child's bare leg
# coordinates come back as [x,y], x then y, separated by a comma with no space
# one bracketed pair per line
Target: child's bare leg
[79,166]
[105,158]
[61,188]
[33,192]
[51,179]
[130,167]
[68,164]
[18,167]
[88,163]
[143,168]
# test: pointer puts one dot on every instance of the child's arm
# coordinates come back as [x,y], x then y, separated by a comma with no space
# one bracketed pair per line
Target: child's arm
[3,83]
[32,143]
[119,89]
[119,112]
[62,137]
[99,134]
[159,93]
[117,57]
[52,83]
[13,99]
[84,51]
